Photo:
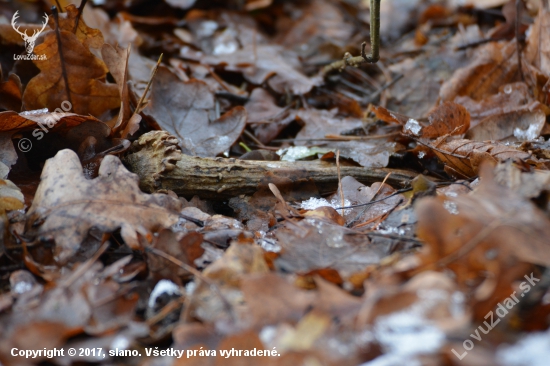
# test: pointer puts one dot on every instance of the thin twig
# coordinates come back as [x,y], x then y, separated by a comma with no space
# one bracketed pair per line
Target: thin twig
[341,189]
[375,95]
[331,137]
[380,200]
[373,197]
[518,44]
[153,73]
[80,10]
[60,50]
[88,264]
[253,138]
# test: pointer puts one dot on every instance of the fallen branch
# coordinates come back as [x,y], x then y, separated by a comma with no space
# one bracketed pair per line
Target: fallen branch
[156,158]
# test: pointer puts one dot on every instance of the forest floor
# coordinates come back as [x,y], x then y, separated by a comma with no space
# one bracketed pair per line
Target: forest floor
[192,182]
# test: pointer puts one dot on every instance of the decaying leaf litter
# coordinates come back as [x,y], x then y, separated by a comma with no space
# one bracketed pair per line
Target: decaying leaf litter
[205,176]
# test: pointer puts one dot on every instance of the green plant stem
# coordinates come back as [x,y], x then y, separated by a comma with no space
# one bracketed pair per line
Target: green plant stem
[374,55]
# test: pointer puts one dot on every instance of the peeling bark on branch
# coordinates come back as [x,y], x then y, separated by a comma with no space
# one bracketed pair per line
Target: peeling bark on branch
[160,165]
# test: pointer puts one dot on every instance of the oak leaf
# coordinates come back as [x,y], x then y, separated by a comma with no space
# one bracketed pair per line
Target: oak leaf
[88,92]
[67,205]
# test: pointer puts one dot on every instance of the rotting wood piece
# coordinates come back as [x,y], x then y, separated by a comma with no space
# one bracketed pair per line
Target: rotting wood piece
[156,158]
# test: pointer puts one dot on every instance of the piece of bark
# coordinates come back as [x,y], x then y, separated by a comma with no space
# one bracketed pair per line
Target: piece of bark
[156,158]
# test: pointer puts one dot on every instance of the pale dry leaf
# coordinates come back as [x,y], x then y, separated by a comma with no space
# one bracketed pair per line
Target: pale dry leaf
[538,45]
[67,205]
[510,97]
[318,123]
[525,124]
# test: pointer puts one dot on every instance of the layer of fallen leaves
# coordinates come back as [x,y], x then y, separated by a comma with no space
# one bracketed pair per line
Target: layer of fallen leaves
[368,275]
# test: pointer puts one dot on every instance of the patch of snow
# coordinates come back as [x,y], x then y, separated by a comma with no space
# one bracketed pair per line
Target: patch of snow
[413,126]
[408,333]
[35,112]
[293,153]
[527,135]
[162,287]
[533,350]
[451,207]
[314,203]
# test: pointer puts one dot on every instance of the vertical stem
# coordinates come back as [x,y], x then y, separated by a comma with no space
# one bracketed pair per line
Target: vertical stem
[374,33]
[60,50]
[518,44]
[375,29]
[80,10]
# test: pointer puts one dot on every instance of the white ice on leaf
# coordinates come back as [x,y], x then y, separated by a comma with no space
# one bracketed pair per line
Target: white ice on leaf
[413,126]
[529,134]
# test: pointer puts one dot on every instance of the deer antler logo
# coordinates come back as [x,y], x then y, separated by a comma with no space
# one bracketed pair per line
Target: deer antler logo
[29,40]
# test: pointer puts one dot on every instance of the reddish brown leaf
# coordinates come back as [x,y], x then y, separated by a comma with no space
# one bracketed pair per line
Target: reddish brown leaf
[461,231]
[87,90]
[447,119]
[463,157]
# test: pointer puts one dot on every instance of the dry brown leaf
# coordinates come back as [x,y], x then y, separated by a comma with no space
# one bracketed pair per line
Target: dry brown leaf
[261,63]
[491,67]
[510,97]
[447,119]
[115,31]
[67,205]
[261,108]
[322,22]
[280,301]
[316,244]
[525,124]
[463,157]
[187,110]
[116,60]
[39,120]
[185,248]
[10,93]
[90,38]
[318,123]
[488,230]
[243,257]
[388,116]
[88,91]
[538,45]
[419,89]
